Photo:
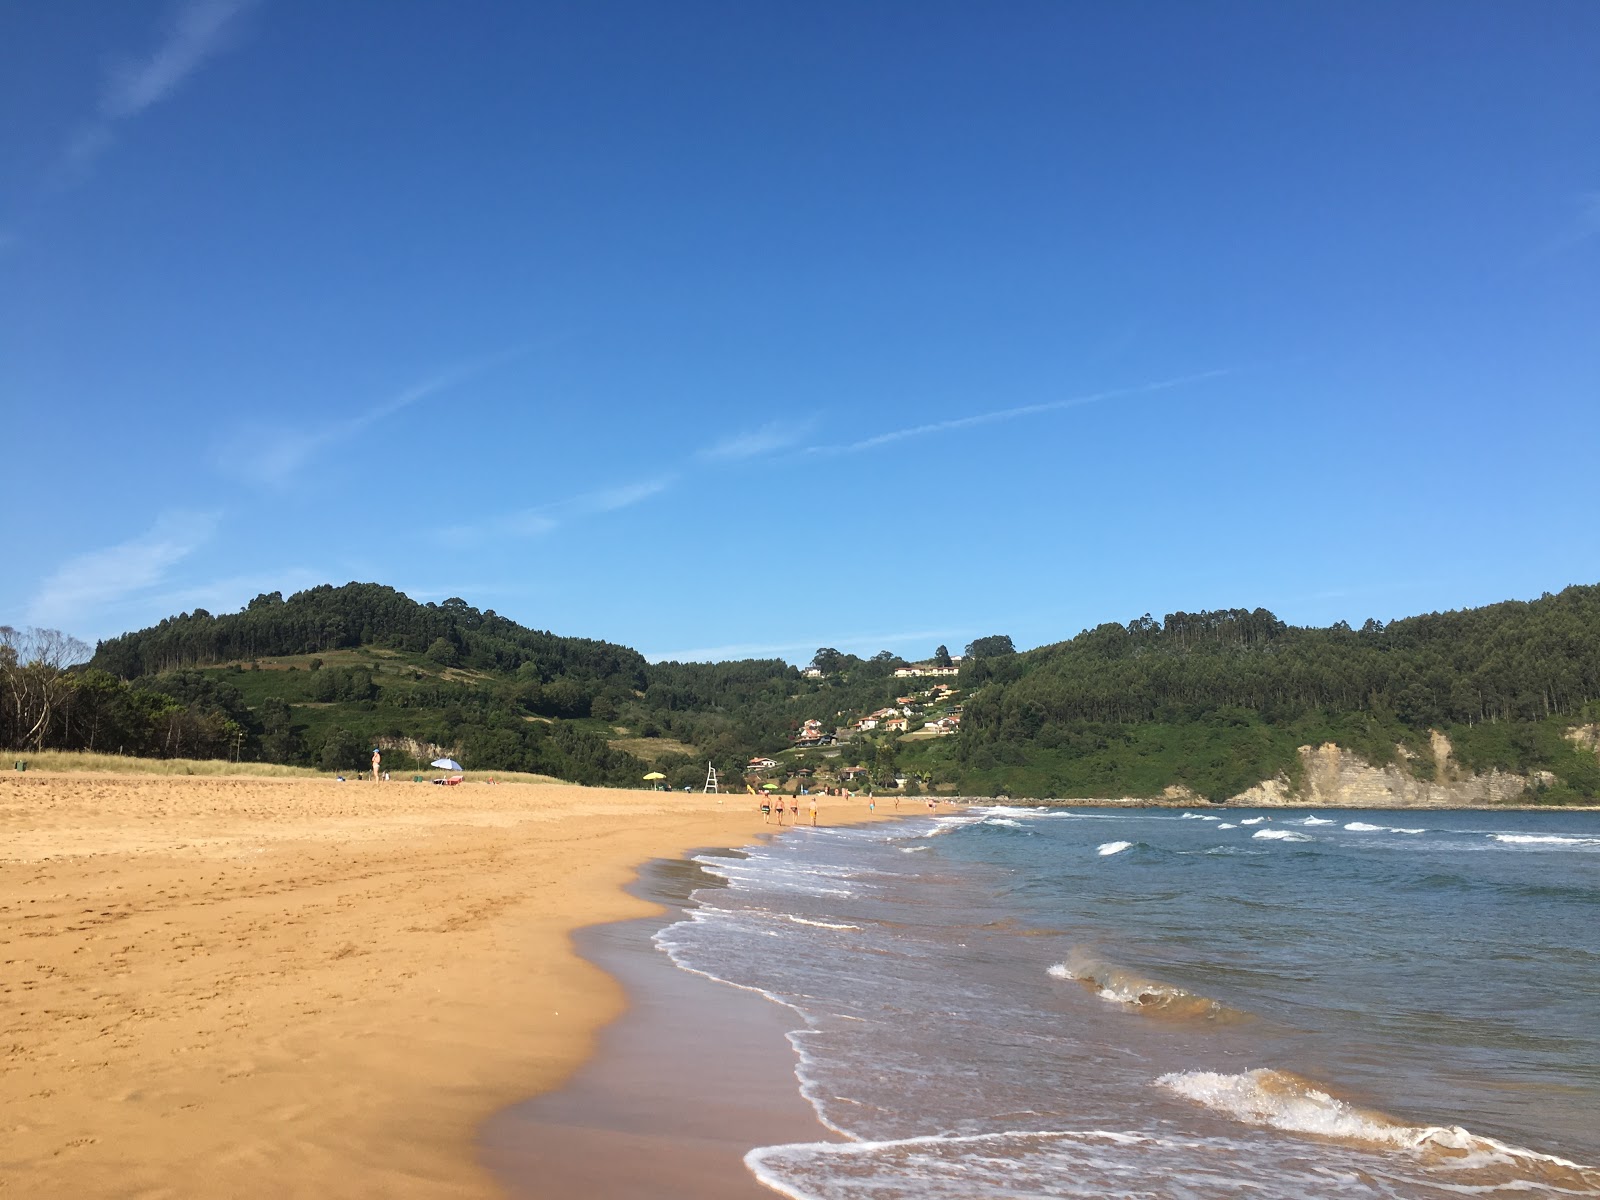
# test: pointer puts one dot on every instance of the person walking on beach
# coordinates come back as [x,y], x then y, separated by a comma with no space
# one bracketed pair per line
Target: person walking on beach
[766,813]
[813,812]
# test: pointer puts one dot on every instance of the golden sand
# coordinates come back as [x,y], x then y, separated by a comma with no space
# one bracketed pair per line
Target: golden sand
[258,987]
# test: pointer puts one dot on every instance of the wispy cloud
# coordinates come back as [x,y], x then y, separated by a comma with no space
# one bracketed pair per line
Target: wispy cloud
[802,650]
[200,30]
[547,518]
[626,496]
[756,442]
[1587,224]
[273,456]
[90,583]
[1012,414]
[1582,225]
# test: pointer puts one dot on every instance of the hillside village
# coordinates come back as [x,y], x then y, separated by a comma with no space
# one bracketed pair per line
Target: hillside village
[863,752]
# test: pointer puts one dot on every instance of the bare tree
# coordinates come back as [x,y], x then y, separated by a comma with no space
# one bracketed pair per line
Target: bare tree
[34,683]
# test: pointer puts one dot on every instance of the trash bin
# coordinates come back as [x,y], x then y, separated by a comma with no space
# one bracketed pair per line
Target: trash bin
[416,779]
[22,764]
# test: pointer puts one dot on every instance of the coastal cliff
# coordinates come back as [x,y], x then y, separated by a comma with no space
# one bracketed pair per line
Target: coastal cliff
[1333,777]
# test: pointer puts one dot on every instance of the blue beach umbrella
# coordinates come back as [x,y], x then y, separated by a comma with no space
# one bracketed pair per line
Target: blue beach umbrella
[447,764]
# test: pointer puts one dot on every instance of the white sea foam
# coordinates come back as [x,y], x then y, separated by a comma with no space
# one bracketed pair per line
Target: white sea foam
[1363,827]
[1006,821]
[1113,847]
[1316,821]
[1252,820]
[1280,835]
[1199,817]
[819,924]
[1093,1164]
[1543,839]
[1228,825]
[911,849]
[1265,1097]
[1287,1102]
[944,825]
[1060,971]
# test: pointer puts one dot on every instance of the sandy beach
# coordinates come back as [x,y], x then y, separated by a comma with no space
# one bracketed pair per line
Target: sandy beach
[250,987]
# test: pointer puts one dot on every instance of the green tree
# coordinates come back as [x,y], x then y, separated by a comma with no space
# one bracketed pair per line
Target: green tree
[992,646]
[342,750]
[885,757]
[828,660]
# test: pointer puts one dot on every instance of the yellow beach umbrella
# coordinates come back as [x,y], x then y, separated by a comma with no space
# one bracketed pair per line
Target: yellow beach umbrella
[655,775]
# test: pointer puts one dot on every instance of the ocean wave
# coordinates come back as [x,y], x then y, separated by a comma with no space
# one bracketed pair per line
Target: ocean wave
[819,924]
[1316,821]
[1113,847]
[1083,1164]
[1280,835]
[1290,1103]
[1013,810]
[1543,839]
[1198,817]
[1368,827]
[1254,820]
[1124,988]
[944,825]
[1007,822]
[1227,825]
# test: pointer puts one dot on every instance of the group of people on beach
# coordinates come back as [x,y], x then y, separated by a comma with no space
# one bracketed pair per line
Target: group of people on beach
[771,805]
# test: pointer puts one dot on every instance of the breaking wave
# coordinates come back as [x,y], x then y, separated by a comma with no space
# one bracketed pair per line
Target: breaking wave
[1287,1102]
[1130,991]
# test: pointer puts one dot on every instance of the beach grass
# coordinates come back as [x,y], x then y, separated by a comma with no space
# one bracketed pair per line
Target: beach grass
[123,764]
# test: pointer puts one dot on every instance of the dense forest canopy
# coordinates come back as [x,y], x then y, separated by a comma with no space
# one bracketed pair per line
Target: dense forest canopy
[1213,700]
[367,614]
[1518,662]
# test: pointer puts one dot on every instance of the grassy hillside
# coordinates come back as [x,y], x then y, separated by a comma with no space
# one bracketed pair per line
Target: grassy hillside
[1214,701]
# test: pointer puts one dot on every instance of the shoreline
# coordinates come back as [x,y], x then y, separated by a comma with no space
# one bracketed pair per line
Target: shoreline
[681,1086]
[1286,806]
[263,987]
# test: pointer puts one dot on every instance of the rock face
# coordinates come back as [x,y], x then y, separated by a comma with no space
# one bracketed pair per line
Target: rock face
[1336,778]
[1585,737]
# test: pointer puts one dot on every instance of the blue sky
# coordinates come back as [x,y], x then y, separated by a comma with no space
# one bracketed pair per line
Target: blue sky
[741,329]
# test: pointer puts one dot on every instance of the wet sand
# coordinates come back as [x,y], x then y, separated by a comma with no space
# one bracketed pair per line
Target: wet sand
[247,987]
[691,1077]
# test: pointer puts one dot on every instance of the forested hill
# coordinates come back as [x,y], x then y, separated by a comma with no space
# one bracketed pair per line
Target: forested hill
[452,634]
[1215,701]
[1218,700]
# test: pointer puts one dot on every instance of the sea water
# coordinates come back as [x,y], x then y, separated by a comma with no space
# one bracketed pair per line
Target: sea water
[1021,1002]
